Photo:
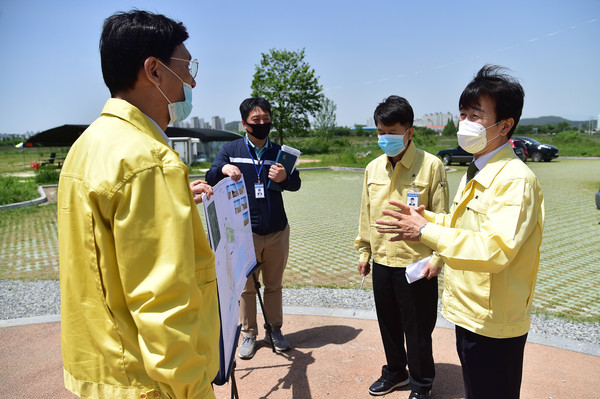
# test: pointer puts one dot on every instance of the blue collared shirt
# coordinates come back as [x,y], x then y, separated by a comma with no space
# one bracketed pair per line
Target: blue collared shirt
[259,151]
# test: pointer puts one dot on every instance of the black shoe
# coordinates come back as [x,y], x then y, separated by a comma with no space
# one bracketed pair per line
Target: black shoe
[383,386]
[281,342]
[417,395]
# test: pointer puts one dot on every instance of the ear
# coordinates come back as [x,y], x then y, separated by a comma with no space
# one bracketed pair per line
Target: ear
[151,71]
[409,133]
[506,125]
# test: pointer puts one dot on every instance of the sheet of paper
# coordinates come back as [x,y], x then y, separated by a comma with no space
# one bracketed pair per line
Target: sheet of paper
[230,233]
[414,271]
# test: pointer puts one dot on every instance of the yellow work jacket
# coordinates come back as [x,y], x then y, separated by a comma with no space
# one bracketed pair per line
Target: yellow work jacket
[417,170]
[490,242]
[139,309]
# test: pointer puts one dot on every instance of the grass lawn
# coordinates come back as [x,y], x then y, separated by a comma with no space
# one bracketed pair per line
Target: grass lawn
[323,217]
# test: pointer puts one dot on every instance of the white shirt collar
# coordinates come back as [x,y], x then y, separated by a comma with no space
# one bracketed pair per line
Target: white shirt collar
[484,159]
[159,129]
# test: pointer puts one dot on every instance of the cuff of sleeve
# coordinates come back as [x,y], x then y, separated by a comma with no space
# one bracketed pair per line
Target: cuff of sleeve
[364,257]
[430,235]
[429,216]
[284,183]
[437,260]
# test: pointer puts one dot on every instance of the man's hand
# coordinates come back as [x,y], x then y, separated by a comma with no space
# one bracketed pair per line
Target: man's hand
[364,268]
[277,173]
[200,187]
[430,271]
[231,171]
[406,223]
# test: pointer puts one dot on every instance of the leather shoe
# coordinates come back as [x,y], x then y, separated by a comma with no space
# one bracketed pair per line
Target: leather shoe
[383,386]
[417,395]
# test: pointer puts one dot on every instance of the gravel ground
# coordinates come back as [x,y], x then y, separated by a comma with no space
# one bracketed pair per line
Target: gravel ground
[26,299]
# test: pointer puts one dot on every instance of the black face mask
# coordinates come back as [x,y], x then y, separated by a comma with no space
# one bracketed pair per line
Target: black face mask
[260,131]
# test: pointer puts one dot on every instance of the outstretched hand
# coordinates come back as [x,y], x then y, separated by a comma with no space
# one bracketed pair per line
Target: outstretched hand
[406,223]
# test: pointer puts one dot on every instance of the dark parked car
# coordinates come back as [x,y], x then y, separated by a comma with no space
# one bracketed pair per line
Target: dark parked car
[520,144]
[538,151]
[460,156]
[457,155]
[519,152]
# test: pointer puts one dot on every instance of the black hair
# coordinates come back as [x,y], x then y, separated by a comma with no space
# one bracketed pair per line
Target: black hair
[128,38]
[252,103]
[502,88]
[392,110]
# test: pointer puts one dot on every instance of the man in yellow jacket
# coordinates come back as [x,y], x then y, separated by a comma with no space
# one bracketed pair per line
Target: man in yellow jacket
[139,311]
[406,312]
[490,241]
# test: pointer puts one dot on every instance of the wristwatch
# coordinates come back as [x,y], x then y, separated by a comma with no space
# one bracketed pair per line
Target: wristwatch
[421,230]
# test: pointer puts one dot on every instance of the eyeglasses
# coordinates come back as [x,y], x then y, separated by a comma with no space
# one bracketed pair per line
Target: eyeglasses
[192,65]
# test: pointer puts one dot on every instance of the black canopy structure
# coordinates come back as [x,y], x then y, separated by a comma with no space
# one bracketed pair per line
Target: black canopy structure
[205,135]
[61,136]
[65,135]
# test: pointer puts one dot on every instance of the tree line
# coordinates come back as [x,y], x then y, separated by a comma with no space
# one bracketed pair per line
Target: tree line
[292,87]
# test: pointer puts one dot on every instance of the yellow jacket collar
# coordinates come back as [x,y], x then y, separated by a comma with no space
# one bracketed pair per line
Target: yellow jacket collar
[131,114]
[491,169]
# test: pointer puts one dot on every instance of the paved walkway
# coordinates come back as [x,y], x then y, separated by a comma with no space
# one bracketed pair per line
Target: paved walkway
[332,357]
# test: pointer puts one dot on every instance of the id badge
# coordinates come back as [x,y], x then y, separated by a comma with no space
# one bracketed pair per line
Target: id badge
[412,199]
[259,190]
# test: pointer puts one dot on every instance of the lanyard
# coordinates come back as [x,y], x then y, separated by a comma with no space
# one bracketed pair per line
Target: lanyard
[258,160]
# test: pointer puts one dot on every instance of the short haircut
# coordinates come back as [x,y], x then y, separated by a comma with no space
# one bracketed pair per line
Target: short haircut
[129,38]
[505,90]
[252,103]
[392,110]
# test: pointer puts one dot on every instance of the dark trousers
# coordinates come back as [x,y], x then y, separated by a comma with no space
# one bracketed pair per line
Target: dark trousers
[492,367]
[406,310]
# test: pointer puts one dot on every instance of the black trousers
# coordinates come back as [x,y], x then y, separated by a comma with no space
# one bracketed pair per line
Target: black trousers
[492,367]
[406,311]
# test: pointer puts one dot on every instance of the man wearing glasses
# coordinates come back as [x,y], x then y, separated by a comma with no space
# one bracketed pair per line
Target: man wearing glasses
[139,315]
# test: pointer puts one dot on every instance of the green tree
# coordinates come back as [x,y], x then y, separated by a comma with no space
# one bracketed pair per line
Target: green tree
[288,82]
[449,129]
[360,131]
[562,126]
[523,130]
[325,119]
[342,131]
[425,131]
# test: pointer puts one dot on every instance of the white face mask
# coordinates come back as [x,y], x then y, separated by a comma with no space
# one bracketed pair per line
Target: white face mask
[472,136]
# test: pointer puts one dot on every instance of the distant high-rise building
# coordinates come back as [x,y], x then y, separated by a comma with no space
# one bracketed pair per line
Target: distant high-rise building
[214,121]
[218,123]
[436,121]
[370,122]
[182,124]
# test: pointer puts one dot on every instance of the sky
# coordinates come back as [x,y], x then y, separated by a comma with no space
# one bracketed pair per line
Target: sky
[362,52]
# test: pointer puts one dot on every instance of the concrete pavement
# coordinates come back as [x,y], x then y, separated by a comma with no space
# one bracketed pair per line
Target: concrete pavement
[332,357]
